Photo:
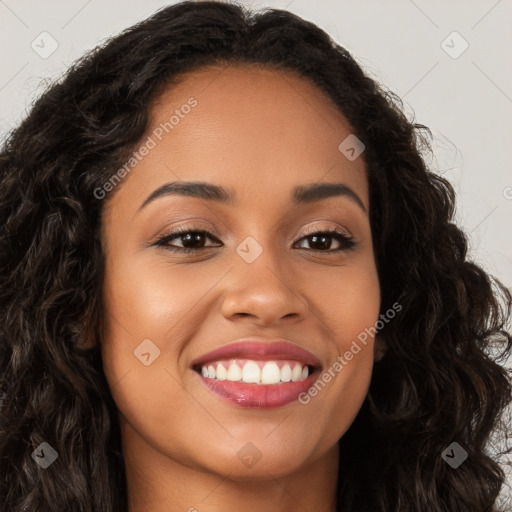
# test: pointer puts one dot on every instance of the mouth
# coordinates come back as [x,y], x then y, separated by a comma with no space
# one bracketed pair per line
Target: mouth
[256,372]
[259,375]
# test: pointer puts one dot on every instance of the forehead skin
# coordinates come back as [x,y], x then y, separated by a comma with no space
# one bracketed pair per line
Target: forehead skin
[228,129]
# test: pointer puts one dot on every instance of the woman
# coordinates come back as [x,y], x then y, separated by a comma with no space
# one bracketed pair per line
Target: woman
[230,282]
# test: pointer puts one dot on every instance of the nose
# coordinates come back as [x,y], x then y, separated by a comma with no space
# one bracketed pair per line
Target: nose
[264,291]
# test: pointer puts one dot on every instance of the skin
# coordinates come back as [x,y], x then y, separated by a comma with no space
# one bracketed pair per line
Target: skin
[259,133]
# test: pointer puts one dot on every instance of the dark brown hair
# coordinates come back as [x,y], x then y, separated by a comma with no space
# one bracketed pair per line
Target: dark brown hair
[440,381]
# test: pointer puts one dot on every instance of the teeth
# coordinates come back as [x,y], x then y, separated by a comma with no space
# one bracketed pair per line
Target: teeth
[222,373]
[286,373]
[256,372]
[251,372]
[270,373]
[234,372]
[296,373]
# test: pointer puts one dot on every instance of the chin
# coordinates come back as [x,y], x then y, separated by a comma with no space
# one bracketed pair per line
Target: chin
[249,463]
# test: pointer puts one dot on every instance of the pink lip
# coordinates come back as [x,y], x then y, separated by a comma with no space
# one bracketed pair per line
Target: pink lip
[259,395]
[262,396]
[267,351]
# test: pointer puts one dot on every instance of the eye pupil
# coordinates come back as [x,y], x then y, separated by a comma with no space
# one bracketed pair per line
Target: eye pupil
[323,238]
[191,237]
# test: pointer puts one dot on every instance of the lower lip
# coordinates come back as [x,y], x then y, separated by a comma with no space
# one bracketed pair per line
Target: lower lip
[262,396]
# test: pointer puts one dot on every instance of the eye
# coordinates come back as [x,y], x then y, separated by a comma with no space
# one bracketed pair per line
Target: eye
[322,237]
[193,240]
[190,237]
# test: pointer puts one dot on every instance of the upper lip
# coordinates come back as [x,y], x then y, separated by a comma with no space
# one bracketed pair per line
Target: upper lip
[268,350]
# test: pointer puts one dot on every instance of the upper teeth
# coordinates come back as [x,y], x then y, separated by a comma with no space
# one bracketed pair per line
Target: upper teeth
[256,372]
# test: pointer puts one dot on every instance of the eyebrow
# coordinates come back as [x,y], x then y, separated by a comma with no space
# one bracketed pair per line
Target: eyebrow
[301,194]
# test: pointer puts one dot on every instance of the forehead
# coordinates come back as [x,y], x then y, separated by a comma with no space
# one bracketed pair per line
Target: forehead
[256,130]
[248,100]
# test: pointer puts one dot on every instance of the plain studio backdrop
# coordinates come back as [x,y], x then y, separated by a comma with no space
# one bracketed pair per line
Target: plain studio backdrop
[448,60]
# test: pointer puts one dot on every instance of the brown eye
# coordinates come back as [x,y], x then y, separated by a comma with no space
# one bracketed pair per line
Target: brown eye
[192,240]
[321,240]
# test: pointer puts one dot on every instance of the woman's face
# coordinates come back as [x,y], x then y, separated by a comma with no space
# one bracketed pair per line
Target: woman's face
[261,275]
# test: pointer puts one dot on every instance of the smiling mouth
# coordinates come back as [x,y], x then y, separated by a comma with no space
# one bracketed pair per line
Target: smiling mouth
[249,371]
[258,384]
[258,374]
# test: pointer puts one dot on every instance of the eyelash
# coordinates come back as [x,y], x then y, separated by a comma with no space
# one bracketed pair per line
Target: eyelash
[347,242]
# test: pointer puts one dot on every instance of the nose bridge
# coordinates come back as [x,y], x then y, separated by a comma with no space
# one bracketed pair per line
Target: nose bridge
[263,249]
[261,281]
[260,257]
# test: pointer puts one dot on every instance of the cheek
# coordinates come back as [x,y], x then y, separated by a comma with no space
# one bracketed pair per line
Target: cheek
[337,395]
[348,304]
[346,299]
[153,300]
[149,309]
[151,306]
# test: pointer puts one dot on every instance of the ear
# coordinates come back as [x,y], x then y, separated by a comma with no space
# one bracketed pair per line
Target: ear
[379,348]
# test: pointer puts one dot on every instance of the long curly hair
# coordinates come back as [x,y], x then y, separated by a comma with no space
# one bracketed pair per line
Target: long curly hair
[442,379]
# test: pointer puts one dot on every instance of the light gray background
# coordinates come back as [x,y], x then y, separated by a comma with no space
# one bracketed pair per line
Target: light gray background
[466,101]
